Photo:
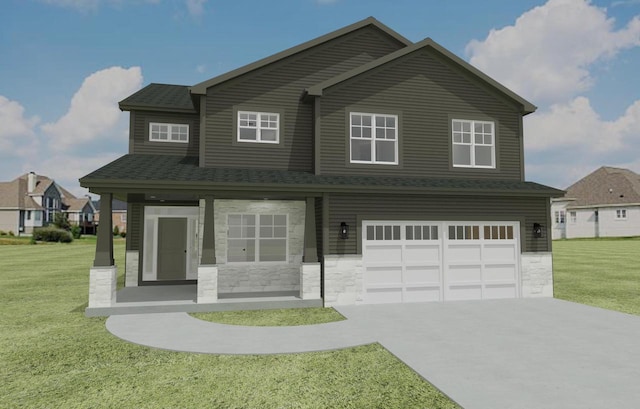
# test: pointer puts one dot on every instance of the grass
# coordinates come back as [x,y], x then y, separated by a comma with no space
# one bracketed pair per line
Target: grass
[599,272]
[273,318]
[52,356]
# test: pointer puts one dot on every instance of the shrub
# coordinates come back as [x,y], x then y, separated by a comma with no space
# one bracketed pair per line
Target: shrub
[52,234]
[76,231]
[123,234]
[116,230]
[3,233]
[61,221]
[11,233]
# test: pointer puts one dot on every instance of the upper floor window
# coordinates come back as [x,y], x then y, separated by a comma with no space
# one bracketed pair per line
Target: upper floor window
[263,127]
[374,138]
[621,214]
[160,132]
[473,144]
[560,216]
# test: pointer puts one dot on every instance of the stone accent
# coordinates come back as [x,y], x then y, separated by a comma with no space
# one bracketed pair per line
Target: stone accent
[257,277]
[102,286]
[537,275]
[343,275]
[131,268]
[310,281]
[207,284]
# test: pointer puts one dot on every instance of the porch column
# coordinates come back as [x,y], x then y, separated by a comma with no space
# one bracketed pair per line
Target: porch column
[103,274]
[310,269]
[208,270]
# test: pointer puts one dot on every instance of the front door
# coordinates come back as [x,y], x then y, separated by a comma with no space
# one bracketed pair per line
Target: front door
[172,248]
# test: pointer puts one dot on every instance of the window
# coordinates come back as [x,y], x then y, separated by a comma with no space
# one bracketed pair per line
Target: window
[37,215]
[383,232]
[259,238]
[621,214]
[262,127]
[464,232]
[573,217]
[159,132]
[560,216]
[374,138]
[421,232]
[498,232]
[473,144]
[123,218]
[28,214]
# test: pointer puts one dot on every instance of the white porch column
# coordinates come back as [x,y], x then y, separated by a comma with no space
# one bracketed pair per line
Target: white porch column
[103,274]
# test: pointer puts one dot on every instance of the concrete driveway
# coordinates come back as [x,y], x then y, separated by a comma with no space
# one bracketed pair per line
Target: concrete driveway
[525,353]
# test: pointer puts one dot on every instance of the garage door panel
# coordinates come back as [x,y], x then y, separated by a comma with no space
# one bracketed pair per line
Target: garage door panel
[391,275]
[506,251]
[422,274]
[464,292]
[500,272]
[421,253]
[383,295]
[499,291]
[464,273]
[463,252]
[422,294]
[377,254]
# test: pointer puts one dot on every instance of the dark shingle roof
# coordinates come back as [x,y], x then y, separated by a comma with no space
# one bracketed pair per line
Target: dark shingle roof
[160,97]
[605,186]
[116,205]
[153,171]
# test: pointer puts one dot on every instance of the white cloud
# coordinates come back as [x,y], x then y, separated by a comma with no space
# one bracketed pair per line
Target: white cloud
[16,131]
[195,7]
[625,3]
[201,68]
[94,107]
[545,56]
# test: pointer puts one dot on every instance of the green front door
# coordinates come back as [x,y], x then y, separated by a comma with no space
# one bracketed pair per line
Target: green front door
[172,248]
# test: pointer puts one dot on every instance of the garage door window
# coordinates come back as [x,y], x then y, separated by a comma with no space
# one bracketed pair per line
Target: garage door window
[421,232]
[464,232]
[498,232]
[383,232]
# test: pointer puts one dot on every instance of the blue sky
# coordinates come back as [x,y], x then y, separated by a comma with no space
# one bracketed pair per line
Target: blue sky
[64,65]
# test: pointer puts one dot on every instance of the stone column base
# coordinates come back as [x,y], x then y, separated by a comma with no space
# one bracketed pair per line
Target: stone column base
[131,269]
[207,284]
[102,286]
[310,281]
[537,275]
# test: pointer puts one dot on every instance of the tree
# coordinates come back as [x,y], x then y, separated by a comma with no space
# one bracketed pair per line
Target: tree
[61,221]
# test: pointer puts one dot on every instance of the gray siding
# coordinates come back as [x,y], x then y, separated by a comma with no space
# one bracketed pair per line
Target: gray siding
[277,88]
[139,140]
[318,210]
[426,92]
[351,209]
[135,216]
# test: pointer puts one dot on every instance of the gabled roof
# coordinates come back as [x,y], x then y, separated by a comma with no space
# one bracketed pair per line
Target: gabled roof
[160,97]
[77,205]
[201,88]
[140,172]
[15,195]
[318,89]
[605,186]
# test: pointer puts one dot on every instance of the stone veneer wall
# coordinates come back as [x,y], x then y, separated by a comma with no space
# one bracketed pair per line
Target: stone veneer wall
[257,277]
[131,268]
[343,275]
[536,275]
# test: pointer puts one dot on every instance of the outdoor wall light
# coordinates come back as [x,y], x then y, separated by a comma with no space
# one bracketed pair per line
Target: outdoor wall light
[344,231]
[537,230]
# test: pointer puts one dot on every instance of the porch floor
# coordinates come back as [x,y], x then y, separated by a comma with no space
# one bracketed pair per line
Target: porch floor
[182,298]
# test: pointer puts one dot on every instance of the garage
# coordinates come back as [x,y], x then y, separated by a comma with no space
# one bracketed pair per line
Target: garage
[416,261]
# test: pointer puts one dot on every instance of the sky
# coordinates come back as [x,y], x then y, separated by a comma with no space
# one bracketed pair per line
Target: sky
[65,64]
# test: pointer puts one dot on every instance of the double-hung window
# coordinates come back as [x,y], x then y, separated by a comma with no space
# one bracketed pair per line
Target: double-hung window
[261,127]
[374,138]
[161,132]
[621,214]
[560,216]
[257,238]
[473,144]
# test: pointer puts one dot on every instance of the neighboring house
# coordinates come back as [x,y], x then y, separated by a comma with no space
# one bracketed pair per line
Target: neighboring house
[605,203]
[118,214]
[31,201]
[358,167]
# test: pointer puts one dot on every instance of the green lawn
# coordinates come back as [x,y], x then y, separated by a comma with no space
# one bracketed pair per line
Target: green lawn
[600,272]
[51,356]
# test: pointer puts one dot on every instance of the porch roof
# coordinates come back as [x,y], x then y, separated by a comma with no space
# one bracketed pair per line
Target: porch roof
[147,173]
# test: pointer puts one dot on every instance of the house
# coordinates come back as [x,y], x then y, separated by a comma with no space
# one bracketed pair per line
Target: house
[605,203]
[357,167]
[31,201]
[118,214]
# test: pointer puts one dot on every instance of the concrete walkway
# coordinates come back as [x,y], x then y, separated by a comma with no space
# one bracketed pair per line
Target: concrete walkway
[542,353]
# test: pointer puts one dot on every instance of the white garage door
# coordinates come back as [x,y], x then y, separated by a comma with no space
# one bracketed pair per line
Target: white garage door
[435,261]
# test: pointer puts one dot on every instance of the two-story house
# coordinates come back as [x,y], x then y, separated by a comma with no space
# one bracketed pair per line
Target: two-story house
[358,167]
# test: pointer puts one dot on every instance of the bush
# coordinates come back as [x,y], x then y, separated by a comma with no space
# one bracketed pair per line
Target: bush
[11,233]
[76,231]
[116,230]
[61,221]
[52,234]
[3,233]
[123,234]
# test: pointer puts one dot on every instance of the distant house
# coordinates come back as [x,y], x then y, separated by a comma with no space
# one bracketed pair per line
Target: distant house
[118,214]
[31,201]
[605,203]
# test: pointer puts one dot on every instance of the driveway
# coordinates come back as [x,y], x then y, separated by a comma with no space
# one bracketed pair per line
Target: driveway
[524,353]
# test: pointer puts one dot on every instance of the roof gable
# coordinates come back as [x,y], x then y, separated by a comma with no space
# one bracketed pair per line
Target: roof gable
[201,88]
[318,89]
[605,186]
[160,97]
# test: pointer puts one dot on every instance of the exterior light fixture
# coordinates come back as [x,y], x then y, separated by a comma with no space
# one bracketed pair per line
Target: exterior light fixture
[537,230]
[344,231]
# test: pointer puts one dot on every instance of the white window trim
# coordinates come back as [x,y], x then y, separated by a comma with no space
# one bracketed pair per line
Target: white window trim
[472,144]
[373,160]
[574,217]
[257,239]
[169,132]
[621,214]
[258,127]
